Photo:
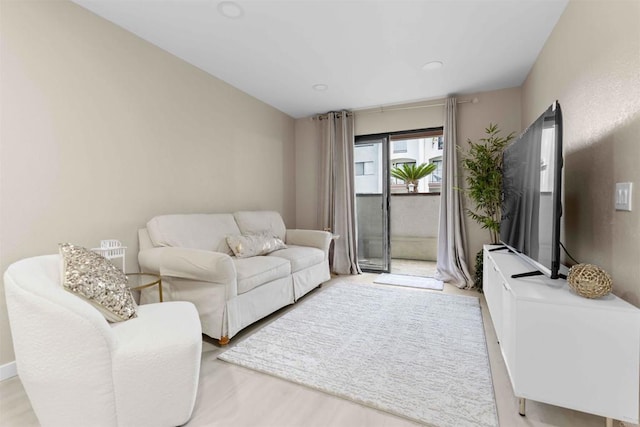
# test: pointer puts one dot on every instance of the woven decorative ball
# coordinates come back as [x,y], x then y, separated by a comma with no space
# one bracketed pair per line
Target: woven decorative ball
[589,281]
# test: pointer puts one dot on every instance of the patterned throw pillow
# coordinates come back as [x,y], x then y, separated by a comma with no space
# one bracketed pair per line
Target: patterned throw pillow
[95,279]
[248,245]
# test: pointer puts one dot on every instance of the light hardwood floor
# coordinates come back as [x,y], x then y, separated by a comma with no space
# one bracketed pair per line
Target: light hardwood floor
[229,395]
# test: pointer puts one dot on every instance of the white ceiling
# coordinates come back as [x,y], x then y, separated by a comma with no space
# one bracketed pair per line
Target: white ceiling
[369,53]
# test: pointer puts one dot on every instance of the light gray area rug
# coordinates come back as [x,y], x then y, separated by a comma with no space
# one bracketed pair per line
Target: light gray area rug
[416,354]
[410,281]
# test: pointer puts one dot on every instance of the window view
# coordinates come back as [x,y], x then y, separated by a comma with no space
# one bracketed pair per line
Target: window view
[416,150]
[413,149]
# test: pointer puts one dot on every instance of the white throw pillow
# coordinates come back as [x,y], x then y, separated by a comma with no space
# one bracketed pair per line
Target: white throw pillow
[98,281]
[248,245]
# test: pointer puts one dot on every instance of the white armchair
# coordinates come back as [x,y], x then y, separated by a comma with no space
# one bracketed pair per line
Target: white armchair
[78,369]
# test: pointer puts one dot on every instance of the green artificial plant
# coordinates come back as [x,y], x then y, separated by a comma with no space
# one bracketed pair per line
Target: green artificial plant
[411,173]
[482,163]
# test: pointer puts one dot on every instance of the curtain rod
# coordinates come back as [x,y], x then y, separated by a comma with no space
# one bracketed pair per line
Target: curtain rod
[384,109]
[326,115]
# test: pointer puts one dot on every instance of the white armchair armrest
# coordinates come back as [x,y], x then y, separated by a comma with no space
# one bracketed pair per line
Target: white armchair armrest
[192,264]
[163,338]
[313,238]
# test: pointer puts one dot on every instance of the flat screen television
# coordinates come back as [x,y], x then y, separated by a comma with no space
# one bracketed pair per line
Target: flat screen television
[531,194]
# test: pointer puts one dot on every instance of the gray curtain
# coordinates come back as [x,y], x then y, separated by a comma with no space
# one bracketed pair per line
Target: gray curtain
[451,262]
[337,192]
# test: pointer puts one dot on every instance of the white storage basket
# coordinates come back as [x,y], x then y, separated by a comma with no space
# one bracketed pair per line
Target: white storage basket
[112,249]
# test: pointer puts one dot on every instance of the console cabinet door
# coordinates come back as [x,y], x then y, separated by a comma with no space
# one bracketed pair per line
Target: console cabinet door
[492,286]
[508,340]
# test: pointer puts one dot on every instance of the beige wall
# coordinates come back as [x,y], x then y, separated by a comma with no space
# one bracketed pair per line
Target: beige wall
[502,107]
[100,131]
[591,64]
[417,115]
[307,173]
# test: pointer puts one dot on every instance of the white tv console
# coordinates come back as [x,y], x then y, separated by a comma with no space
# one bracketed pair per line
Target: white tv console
[560,348]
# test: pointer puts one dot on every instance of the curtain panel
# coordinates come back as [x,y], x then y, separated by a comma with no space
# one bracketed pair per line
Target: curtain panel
[337,191]
[451,262]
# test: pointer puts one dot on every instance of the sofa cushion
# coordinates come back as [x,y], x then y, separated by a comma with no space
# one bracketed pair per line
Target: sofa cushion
[195,231]
[249,245]
[300,257]
[255,271]
[256,222]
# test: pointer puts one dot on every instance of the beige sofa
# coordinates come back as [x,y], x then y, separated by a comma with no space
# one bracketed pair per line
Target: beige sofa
[191,253]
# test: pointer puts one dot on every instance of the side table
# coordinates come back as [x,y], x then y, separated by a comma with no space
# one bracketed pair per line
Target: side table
[138,281]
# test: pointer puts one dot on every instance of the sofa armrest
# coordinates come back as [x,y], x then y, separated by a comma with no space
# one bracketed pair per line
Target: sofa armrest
[314,238]
[192,264]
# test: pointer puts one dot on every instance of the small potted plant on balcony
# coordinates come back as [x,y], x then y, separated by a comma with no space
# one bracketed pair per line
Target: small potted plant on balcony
[411,173]
[482,163]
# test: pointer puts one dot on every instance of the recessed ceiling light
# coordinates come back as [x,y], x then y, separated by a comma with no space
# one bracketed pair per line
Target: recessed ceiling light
[320,87]
[230,9]
[433,65]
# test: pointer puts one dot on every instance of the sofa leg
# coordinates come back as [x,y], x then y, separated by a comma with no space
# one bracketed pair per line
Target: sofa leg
[223,340]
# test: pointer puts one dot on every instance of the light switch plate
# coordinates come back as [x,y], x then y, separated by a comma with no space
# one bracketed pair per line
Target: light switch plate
[623,196]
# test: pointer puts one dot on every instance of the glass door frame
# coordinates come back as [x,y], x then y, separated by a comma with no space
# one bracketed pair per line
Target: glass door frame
[385,265]
[387,138]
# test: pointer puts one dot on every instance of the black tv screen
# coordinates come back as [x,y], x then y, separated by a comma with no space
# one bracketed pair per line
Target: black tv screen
[531,193]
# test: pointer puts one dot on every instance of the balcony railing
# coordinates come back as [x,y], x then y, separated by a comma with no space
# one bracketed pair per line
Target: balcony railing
[413,223]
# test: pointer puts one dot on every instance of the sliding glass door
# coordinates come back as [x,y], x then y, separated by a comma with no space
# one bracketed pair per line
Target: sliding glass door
[371,157]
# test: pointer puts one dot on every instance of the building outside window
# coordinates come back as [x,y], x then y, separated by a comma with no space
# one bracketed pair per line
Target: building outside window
[400,146]
[436,175]
[364,168]
[437,142]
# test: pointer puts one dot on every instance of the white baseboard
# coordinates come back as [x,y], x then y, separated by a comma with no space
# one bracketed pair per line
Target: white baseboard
[8,370]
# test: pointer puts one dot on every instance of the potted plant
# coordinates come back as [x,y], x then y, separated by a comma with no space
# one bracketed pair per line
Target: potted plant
[411,173]
[482,163]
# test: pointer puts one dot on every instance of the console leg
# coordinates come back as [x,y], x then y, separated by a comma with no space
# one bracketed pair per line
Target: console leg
[608,422]
[521,405]
[223,340]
